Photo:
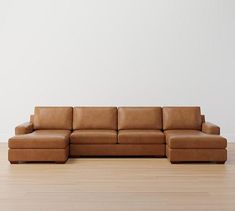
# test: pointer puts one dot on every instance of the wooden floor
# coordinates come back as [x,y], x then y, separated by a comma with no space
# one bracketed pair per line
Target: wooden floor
[117,184]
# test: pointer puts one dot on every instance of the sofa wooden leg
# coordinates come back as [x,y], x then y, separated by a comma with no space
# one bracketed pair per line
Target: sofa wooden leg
[220,162]
[175,162]
[60,162]
[14,162]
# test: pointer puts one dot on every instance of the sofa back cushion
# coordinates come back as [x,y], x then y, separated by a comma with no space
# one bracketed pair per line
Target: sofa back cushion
[182,118]
[95,118]
[139,118]
[58,118]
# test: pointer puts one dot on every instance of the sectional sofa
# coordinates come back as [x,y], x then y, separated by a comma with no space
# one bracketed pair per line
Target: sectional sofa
[57,133]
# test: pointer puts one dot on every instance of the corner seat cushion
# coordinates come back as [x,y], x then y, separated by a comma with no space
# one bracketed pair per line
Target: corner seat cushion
[93,137]
[41,139]
[194,139]
[141,137]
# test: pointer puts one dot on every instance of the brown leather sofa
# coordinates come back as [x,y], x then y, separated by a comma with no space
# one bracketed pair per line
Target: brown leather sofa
[57,133]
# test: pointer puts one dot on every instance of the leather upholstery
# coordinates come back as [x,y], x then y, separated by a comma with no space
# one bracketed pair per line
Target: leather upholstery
[41,139]
[24,128]
[182,118]
[193,139]
[93,137]
[55,155]
[139,118]
[58,118]
[141,137]
[104,118]
[156,150]
[210,128]
[189,155]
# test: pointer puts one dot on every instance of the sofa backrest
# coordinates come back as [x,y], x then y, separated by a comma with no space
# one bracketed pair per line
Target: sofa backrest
[95,118]
[57,118]
[182,118]
[139,118]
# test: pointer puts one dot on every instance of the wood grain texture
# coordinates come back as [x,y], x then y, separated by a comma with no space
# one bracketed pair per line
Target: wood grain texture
[117,184]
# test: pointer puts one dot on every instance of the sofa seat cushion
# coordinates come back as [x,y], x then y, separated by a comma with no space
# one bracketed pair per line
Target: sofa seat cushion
[93,137]
[41,139]
[141,137]
[193,139]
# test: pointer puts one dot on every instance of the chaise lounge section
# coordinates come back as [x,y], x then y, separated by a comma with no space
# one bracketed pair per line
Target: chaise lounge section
[46,138]
[190,139]
[56,133]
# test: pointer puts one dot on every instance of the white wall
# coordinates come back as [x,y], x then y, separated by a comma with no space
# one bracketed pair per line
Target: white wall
[122,52]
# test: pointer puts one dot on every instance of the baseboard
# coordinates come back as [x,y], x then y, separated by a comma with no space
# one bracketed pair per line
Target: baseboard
[5,136]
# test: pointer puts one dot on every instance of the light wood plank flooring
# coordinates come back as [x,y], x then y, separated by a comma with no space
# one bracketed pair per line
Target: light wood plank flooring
[117,184]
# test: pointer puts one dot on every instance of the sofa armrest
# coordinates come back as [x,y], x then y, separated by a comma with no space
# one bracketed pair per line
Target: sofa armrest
[24,128]
[210,128]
